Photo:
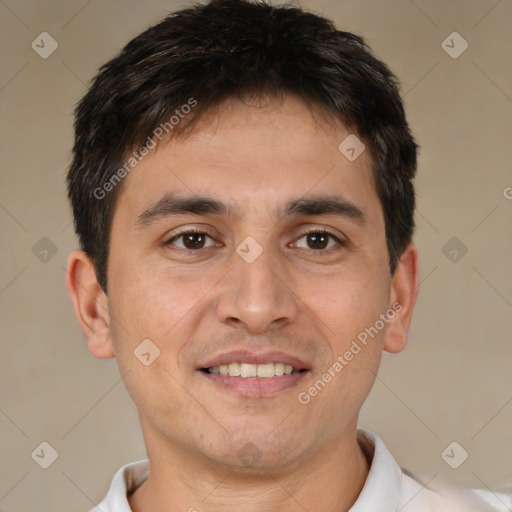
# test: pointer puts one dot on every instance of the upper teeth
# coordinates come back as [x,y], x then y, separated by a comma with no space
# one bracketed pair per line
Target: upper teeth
[253,370]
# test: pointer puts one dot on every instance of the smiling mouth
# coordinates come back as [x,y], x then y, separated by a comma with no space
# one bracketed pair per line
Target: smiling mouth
[247,370]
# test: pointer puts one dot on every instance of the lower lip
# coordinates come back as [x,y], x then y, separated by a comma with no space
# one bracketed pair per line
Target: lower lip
[254,386]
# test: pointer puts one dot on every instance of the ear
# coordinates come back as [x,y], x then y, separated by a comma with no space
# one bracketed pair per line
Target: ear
[90,304]
[404,292]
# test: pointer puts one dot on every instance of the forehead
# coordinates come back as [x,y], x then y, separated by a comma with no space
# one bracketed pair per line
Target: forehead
[253,157]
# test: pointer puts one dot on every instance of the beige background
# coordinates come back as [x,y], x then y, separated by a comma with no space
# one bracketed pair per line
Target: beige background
[453,383]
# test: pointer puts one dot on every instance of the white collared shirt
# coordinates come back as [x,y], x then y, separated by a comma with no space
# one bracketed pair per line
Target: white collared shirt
[387,487]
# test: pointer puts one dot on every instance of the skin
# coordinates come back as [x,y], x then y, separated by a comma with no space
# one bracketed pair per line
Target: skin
[297,298]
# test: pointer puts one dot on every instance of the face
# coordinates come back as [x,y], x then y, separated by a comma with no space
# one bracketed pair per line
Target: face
[252,246]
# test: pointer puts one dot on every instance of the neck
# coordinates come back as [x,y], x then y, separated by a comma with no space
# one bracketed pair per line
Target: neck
[330,480]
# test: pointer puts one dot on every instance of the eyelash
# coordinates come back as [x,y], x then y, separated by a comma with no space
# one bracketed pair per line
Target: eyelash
[185,233]
[323,231]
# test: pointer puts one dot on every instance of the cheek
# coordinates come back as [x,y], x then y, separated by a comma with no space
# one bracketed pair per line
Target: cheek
[346,302]
[348,305]
[152,307]
[155,304]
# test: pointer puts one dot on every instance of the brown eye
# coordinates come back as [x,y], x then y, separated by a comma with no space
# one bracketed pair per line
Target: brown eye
[194,241]
[318,241]
[191,241]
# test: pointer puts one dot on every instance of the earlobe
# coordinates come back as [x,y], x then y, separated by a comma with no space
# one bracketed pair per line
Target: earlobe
[90,304]
[404,292]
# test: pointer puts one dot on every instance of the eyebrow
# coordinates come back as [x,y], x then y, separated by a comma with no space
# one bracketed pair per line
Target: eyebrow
[172,205]
[326,205]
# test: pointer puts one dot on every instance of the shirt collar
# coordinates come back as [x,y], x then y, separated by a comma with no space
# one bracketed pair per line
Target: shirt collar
[125,481]
[383,485]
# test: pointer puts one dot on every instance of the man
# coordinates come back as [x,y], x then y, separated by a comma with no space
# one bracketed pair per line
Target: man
[242,191]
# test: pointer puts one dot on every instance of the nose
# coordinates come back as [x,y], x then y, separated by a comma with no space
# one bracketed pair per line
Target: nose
[257,296]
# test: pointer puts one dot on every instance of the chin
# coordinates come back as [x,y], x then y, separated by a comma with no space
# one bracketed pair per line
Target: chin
[258,455]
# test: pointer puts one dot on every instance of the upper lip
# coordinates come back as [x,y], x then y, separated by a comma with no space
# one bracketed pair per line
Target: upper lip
[246,356]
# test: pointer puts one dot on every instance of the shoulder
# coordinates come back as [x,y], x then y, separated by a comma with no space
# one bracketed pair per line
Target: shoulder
[389,487]
[417,497]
